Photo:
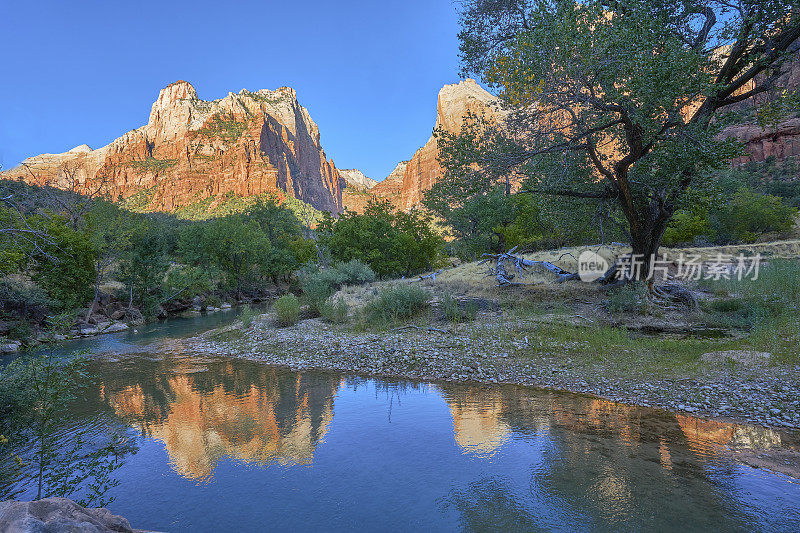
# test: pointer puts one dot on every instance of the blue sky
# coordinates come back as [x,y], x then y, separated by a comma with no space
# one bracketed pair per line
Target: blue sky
[86,72]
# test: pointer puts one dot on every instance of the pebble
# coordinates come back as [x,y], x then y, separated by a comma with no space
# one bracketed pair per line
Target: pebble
[770,397]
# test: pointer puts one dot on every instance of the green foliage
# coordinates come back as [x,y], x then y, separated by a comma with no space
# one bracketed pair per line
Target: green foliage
[335,311]
[749,214]
[491,220]
[288,249]
[139,202]
[66,267]
[143,266]
[774,293]
[455,311]
[686,227]
[24,300]
[152,164]
[355,272]
[35,392]
[602,95]
[319,285]
[780,179]
[227,128]
[287,309]
[13,251]
[247,315]
[392,243]
[232,204]
[767,307]
[188,281]
[235,246]
[631,298]
[732,212]
[398,302]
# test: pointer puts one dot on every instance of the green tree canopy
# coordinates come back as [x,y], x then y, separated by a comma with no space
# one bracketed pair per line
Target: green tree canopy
[614,101]
[391,242]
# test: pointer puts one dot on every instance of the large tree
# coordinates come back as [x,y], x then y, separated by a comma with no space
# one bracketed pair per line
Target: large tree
[615,101]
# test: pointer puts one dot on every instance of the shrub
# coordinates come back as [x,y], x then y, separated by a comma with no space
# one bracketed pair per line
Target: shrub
[455,311]
[398,302]
[287,309]
[774,294]
[66,268]
[355,272]
[631,298]
[318,286]
[24,300]
[749,214]
[335,312]
[247,315]
[685,228]
[391,242]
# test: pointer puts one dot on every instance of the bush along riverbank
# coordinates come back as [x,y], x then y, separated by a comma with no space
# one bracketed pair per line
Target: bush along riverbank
[742,365]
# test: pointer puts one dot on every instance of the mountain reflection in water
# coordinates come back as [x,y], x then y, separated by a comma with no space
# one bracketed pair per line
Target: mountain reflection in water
[203,410]
[315,450]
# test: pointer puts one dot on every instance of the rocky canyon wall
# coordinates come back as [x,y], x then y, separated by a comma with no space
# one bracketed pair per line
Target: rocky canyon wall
[244,144]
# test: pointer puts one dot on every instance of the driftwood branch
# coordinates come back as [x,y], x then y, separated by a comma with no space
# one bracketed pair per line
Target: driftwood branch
[520,265]
[431,276]
[428,328]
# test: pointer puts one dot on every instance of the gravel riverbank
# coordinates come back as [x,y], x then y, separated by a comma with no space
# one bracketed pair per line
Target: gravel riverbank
[484,352]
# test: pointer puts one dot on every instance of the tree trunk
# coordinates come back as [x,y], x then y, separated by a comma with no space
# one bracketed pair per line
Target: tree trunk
[646,237]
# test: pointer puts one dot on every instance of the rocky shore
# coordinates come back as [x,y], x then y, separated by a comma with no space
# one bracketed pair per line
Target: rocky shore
[59,515]
[736,386]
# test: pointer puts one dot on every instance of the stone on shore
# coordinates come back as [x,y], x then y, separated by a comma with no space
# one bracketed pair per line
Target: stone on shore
[56,515]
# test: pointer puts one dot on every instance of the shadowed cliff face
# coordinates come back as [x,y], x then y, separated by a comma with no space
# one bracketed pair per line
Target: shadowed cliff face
[244,144]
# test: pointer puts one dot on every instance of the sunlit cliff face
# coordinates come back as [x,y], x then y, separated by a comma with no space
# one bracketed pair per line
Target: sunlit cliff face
[477,425]
[199,426]
[484,418]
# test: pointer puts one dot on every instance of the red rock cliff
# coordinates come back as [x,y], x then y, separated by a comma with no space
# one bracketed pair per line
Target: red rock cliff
[244,144]
[454,102]
[780,140]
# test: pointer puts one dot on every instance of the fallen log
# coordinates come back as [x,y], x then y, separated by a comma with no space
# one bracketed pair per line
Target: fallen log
[521,264]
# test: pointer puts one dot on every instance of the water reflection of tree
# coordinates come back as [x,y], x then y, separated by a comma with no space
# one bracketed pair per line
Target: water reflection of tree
[205,411]
[602,464]
[490,504]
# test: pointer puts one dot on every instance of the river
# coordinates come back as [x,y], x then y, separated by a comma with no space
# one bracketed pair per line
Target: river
[235,445]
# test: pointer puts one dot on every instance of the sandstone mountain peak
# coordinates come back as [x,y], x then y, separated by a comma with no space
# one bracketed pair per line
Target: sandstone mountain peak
[356,179]
[410,179]
[455,101]
[194,151]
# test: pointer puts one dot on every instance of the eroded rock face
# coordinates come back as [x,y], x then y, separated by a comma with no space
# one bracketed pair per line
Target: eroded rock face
[244,144]
[389,188]
[56,515]
[454,103]
[781,140]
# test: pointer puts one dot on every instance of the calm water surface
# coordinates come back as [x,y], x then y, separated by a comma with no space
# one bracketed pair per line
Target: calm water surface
[232,445]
